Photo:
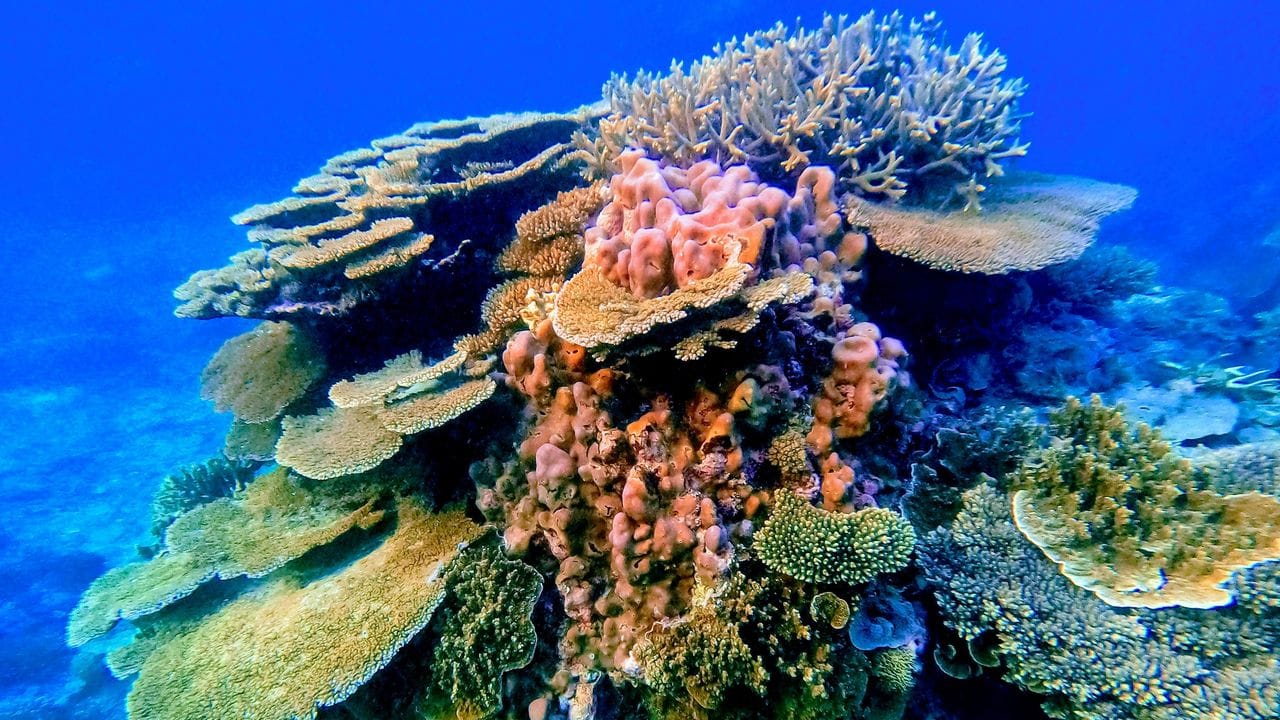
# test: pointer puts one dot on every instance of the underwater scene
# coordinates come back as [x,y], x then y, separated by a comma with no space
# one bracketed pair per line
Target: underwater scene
[594,361]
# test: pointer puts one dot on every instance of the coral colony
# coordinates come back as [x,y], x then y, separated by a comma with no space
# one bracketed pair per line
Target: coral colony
[723,398]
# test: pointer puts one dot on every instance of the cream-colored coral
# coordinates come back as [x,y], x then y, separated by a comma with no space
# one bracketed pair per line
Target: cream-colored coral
[592,311]
[400,372]
[396,256]
[298,644]
[429,410]
[1028,222]
[335,442]
[257,374]
[271,522]
[567,214]
[340,248]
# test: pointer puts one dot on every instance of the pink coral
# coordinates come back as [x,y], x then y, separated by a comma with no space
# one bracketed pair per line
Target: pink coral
[866,365]
[667,227]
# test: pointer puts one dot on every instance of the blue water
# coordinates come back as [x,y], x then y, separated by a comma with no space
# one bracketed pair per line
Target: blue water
[132,130]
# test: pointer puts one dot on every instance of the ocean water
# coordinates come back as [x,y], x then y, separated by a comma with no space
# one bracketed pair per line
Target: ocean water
[132,131]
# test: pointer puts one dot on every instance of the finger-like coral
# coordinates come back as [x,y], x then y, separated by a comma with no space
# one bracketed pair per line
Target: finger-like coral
[298,644]
[272,522]
[883,100]
[1027,222]
[485,628]
[257,374]
[1126,518]
[1093,661]
[814,545]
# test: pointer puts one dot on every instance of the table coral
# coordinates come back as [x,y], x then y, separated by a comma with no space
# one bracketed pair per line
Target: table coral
[300,644]
[1126,518]
[257,374]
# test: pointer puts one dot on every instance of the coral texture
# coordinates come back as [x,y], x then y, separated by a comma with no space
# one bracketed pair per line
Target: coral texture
[256,375]
[1127,519]
[882,100]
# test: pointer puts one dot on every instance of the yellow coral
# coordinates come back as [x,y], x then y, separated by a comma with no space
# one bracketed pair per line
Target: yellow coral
[402,371]
[396,256]
[257,374]
[340,248]
[1126,518]
[425,411]
[1029,222]
[830,609]
[335,442]
[272,522]
[294,646]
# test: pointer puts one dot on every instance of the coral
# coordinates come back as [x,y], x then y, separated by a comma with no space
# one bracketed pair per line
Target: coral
[743,650]
[373,411]
[252,442]
[548,240]
[485,628]
[257,374]
[818,546]
[1126,518]
[271,522]
[829,609]
[1246,468]
[882,100]
[355,232]
[299,644]
[1093,661]
[335,442]
[895,669]
[1027,222]
[196,485]
[885,620]
[866,367]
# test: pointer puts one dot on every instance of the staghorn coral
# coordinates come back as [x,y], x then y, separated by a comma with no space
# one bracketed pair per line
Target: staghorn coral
[355,232]
[1127,519]
[818,546]
[257,374]
[271,522]
[1093,661]
[298,644]
[882,100]
[485,628]
[1027,222]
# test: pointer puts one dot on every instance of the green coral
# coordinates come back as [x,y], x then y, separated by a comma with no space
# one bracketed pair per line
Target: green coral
[485,628]
[744,650]
[814,545]
[196,485]
[1093,661]
[1130,520]
[895,669]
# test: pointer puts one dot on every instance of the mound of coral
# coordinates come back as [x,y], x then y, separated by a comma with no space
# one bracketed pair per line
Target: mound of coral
[718,399]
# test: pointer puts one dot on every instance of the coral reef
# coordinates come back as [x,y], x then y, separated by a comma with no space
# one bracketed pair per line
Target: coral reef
[611,414]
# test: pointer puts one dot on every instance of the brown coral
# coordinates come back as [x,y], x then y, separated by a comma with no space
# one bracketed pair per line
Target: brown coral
[1027,222]
[866,366]
[297,645]
[257,374]
[335,442]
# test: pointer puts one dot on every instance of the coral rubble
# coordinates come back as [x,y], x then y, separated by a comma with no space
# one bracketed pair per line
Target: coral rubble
[718,399]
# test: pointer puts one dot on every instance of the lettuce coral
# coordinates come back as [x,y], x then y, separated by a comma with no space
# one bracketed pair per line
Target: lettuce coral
[1126,518]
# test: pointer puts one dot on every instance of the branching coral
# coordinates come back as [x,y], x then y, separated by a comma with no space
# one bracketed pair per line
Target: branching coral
[1027,222]
[814,545]
[299,644]
[196,485]
[257,374]
[1128,519]
[882,100]
[1095,662]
